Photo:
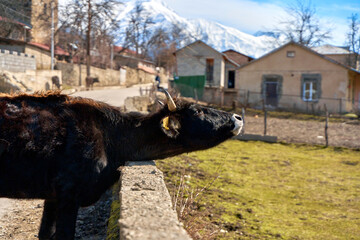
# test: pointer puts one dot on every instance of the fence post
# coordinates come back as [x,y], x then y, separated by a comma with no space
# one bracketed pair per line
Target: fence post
[312,108]
[265,121]
[243,118]
[247,98]
[340,105]
[326,126]
[196,95]
[234,105]
[265,117]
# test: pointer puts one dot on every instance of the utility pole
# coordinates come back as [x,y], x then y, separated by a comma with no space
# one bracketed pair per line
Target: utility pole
[88,33]
[52,34]
[111,56]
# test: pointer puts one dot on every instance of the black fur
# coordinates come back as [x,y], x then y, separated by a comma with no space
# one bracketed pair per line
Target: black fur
[89,81]
[55,81]
[67,150]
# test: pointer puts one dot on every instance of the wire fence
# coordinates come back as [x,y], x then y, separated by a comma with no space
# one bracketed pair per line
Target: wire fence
[295,103]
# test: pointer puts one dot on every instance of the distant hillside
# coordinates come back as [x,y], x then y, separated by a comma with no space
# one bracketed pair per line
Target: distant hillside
[216,35]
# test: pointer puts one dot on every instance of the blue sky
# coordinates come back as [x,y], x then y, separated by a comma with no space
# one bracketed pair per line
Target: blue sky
[251,16]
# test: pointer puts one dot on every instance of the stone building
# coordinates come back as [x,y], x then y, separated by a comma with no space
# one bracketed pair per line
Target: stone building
[41,20]
[198,62]
[28,20]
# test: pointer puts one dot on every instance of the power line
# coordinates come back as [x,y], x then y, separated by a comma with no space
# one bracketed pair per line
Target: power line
[14,11]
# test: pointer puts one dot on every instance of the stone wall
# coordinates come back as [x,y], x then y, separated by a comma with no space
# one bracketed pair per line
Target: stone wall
[146,210]
[145,205]
[38,80]
[16,61]
[71,72]
[107,77]
[28,81]
[137,76]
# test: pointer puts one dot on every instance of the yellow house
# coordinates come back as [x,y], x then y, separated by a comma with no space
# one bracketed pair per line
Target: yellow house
[295,77]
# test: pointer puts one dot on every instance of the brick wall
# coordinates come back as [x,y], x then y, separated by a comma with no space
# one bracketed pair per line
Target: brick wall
[16,62]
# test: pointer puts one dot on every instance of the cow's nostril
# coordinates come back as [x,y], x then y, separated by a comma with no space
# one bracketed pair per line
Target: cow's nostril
[238,117]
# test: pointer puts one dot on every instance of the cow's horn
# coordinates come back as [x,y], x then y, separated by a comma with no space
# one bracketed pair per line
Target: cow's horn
[170,102]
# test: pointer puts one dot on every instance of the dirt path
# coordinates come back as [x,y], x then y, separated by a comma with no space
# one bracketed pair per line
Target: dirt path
[345,134]
[21,219]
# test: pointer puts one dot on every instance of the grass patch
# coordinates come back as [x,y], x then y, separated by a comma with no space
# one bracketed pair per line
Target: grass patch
[113,229]
[268,191]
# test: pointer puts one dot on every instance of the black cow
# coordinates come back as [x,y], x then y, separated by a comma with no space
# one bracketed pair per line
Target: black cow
[55,81]
[67,150]
[90,82]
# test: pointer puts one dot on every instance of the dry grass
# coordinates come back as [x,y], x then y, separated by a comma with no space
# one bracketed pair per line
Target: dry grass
[254,190]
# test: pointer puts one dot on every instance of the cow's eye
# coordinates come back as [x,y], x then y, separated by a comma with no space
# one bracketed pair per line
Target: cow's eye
[199,112]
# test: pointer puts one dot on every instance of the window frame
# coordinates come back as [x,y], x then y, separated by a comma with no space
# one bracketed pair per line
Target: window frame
[228,78]
[290,54]
[209,70]
[314,83]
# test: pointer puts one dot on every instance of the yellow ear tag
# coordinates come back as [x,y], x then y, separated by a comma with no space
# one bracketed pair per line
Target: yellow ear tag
[166,123]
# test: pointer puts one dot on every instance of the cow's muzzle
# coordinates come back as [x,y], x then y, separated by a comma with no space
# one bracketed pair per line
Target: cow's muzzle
[238,122]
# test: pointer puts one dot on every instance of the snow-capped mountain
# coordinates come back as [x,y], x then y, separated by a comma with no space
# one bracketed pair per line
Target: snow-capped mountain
[218,36]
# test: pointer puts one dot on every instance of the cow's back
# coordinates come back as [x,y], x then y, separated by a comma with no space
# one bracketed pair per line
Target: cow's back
[45,145]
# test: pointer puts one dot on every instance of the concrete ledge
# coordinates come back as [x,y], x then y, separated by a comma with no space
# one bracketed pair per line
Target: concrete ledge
[145,205]
[254,137]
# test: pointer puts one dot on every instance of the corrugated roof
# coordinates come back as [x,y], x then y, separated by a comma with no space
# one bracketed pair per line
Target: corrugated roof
[17,22]
[330,49]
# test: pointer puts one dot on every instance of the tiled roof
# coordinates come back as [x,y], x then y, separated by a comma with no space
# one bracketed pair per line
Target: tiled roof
[58,50]
[118,49]
[14,21]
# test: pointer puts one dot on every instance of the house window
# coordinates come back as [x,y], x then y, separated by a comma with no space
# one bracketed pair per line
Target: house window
[290,54]
[209,69]
[311,87]
[231,79]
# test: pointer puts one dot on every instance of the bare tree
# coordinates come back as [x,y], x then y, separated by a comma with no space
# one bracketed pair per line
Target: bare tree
[164,43]
[353,39]
[14,15]
[138,32]
[94,18]
[302,25]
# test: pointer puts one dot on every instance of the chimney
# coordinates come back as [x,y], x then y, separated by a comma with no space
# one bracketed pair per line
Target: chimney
[358,65]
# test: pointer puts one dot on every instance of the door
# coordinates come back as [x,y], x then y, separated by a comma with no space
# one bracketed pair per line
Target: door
[122,76]
[271,95]
[231,79]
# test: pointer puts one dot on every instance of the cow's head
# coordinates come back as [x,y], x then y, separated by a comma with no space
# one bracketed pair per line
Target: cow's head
[198,127]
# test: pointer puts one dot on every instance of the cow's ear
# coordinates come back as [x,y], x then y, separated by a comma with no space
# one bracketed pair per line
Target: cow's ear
[170,126]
